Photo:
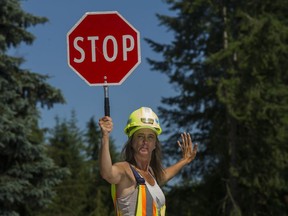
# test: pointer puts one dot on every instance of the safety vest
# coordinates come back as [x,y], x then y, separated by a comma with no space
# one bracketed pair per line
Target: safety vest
[146,206]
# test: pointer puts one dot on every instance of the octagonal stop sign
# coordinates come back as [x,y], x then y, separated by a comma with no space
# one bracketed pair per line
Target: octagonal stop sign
[103,48]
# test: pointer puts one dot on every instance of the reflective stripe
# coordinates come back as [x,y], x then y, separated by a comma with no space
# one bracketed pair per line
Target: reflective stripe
[163,210]
[113,194]
[155,212]
[140,210]
[149,202]
[144,200]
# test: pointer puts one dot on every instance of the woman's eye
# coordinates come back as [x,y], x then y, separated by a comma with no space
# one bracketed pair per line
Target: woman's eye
[140,136]
[148,138]
[151,137]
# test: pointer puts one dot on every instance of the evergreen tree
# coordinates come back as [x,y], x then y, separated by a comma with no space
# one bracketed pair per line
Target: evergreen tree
[228,61]
[66,147]
[99,201]
[27,175]
[84,192]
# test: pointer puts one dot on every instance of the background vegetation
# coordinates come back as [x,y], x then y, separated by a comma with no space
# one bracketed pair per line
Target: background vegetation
[228,63]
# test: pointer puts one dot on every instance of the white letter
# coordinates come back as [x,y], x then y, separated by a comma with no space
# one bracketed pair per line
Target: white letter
[93,47]
[125,48]
[115,48]
[81,59]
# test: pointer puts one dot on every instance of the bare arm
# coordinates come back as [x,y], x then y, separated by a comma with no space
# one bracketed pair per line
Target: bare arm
[111,173]
[189,151]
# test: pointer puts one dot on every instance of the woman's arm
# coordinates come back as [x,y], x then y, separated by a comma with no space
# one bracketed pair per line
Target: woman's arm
[111,173]
[189,151]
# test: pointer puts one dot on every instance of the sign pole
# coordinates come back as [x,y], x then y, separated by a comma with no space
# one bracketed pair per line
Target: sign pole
[106,101]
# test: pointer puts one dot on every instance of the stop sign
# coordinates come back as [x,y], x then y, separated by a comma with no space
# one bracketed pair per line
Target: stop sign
[103,48]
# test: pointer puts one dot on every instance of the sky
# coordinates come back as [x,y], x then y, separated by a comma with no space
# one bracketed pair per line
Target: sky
[48,55]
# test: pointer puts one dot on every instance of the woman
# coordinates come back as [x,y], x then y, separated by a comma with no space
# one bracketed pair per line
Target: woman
[135,181]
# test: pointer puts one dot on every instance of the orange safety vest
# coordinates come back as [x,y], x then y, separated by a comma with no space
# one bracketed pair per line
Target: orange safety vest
[146,206]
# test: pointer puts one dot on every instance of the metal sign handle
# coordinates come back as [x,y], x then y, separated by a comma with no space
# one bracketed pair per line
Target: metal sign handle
[106,101]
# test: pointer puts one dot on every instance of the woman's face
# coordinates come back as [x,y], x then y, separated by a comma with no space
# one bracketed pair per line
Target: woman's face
[144,141]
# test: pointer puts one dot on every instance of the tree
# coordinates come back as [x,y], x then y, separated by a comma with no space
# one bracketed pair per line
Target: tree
[99,201]
[66,147]
[228,63]
[84,192]
[27,175]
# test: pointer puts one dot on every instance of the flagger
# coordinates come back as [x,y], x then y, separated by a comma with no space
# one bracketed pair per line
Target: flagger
[135,181]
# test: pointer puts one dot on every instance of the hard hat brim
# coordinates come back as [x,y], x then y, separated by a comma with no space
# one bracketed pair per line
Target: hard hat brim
[136,128]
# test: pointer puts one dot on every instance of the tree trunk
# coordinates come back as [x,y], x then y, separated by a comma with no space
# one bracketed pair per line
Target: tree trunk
[231,207]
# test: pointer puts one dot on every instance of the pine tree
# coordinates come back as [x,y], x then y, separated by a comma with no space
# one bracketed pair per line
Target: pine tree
[84,192]
[228,61]
[99,201]
[66,147]
[27,175]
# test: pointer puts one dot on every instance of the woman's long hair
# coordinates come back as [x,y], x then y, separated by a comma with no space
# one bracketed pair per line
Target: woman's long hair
[156,159]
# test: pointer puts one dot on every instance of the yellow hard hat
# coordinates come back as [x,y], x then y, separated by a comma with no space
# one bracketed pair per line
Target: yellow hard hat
[143,117]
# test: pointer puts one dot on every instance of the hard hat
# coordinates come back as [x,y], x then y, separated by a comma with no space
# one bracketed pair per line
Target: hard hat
[143,117]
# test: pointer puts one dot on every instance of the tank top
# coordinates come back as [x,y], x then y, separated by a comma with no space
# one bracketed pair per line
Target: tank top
[127,205]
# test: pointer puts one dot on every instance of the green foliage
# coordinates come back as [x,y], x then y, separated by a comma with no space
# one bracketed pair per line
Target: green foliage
[83,192]
[65,146]
[30,181]
[27,174]
[228,63]
[14,22]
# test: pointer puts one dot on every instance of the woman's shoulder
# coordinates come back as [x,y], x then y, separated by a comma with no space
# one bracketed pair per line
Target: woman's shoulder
[123,165]
[126,167]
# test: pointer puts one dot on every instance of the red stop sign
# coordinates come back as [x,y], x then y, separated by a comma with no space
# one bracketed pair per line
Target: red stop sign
[103,48]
